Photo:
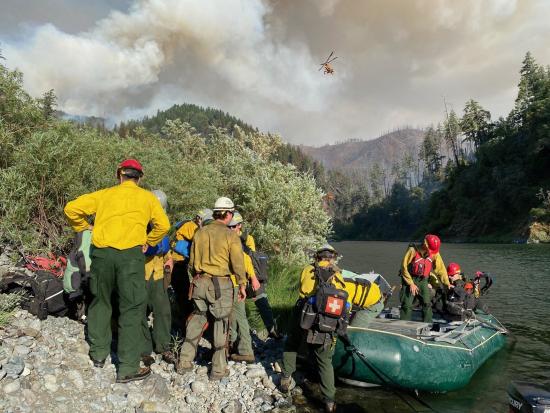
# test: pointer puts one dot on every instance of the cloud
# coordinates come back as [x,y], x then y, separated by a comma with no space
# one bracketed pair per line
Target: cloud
[162,41]
[258,59]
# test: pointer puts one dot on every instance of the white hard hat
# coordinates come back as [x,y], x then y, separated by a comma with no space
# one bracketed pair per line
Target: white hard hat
[202,213]
[224,204]
[236,220]
[161,196]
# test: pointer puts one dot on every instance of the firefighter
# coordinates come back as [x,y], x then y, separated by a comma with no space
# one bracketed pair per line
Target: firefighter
[323,301]
[416,267]
[216,253]
[119,239]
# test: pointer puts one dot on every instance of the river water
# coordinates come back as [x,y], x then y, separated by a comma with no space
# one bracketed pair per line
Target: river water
[519,298]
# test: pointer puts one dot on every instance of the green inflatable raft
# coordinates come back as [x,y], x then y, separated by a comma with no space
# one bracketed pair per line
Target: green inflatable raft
[437,357]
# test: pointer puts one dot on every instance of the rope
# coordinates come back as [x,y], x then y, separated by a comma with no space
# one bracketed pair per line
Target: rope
[388,382]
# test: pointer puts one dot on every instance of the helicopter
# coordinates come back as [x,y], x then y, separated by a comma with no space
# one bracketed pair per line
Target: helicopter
[328,70]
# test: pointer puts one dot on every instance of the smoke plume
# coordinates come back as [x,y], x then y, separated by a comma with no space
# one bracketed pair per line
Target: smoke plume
[258,59]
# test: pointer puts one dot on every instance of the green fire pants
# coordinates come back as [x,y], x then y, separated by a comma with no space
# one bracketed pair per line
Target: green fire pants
[219,308]
[121,272]
[159,304]
[407,298]
[322,356]
[363,317]
[240,329]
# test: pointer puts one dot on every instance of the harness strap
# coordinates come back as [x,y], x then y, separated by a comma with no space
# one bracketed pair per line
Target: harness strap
[366,290]
[217,289]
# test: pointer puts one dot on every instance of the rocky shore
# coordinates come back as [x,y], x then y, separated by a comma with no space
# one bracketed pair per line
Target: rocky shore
[45,368]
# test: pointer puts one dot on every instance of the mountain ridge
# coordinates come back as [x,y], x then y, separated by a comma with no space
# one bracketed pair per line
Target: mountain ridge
[362,155]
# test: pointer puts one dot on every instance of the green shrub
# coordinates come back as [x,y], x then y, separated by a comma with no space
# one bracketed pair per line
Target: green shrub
[52,162]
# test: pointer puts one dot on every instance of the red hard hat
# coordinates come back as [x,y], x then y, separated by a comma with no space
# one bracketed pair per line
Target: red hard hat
[453,268]
[433,243]
[131,164]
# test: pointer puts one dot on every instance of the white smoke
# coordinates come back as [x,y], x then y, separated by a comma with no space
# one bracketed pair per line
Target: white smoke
[206,49]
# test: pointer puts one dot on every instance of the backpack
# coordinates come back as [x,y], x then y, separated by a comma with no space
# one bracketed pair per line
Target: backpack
[42,293]
[77,272]
[259,262]
[51,263]
[327,312]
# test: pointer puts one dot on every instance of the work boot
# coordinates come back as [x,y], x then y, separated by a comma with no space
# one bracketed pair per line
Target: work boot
[330,406]
[184,366]
[219,376]
[287,384]
[248,358]
[169,357]
[140,375]
[147,360]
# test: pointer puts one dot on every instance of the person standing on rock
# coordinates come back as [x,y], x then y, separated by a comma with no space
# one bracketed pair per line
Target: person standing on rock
[180,274]
[215,254]
[119,239]
[259,295]
[158,270]
[240,337]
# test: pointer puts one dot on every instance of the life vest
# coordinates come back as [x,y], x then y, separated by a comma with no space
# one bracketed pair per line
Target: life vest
[327,311]
[421,266]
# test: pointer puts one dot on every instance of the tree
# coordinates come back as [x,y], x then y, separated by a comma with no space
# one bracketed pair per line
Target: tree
[475,124]
[48,104]
[451,134]
[531,76]
[430,152]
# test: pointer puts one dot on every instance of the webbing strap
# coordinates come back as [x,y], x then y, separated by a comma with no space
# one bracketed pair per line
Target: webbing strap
[217,289]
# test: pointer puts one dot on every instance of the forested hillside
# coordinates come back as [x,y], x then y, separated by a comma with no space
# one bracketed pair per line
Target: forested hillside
[504,189]
[201,119]
[482,179]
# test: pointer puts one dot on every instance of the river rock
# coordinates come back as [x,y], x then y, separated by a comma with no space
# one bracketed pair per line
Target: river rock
[117,401]
[14,367]
[155,388]
[21,350]
[29,396]
[233,407]
[76,378]
[198,387]
[152,407]
[12,387]
[135,398]
[190,399]
[255,372]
